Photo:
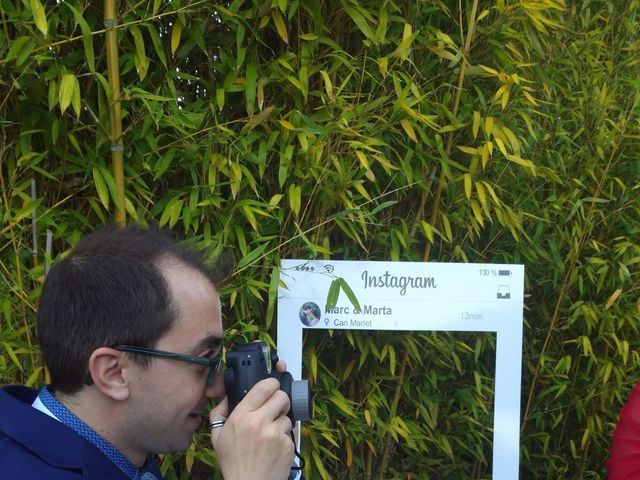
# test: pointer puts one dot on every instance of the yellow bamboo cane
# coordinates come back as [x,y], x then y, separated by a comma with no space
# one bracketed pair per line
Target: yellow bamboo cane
[456,107]
[113,73]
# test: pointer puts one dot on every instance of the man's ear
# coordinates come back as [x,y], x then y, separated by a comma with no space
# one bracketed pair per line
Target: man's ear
[107,368]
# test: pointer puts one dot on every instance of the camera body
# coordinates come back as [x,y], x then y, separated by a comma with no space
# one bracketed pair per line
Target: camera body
[249,363]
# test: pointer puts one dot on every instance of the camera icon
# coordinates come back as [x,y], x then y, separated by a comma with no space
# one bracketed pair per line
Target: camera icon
[504,292]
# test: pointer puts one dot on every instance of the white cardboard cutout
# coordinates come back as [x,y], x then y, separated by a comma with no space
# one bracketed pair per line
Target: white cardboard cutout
[412,296]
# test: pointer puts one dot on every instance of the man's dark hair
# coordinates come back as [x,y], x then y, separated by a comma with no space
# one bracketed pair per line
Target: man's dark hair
[109,290]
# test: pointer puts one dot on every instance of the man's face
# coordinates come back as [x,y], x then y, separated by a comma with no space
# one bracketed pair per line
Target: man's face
[169,397]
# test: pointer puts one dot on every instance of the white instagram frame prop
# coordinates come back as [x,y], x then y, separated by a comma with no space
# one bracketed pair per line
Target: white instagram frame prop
[412,296]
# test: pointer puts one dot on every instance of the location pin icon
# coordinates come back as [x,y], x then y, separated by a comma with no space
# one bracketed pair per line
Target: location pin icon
[326,321]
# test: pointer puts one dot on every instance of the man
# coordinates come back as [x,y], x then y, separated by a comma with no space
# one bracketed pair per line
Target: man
[130,329]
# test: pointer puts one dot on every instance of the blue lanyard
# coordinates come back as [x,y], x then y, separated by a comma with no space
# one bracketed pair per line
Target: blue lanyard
[82,429]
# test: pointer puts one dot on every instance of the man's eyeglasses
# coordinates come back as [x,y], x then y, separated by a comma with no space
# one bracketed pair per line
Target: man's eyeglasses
[213,363]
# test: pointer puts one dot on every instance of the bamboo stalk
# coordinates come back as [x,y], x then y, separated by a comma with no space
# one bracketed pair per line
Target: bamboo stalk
[456,107]
[388,443]
[14,243]
[34,226]
[113,73]
[573,265]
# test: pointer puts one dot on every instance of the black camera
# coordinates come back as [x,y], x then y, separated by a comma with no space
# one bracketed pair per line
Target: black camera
[251,362]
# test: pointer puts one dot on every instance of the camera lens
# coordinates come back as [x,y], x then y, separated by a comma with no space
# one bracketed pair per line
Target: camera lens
[301,406]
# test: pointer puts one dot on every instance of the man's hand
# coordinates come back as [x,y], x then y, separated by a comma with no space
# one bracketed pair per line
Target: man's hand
[255,441]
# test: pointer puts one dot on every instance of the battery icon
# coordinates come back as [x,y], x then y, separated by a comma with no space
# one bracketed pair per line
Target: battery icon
[504,273]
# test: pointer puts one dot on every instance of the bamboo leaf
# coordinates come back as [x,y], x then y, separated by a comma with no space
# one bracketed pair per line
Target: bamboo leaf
[392,360]
[333,294]
[467,185]
[252,255]
[250,87]
[383,206]
[482,196]
[295,198]
[101,188]
[286,124]
[360,22]
[469,150]
[447,227]
[257,119]
[142,62]
[39,16]
[476,124]
[12,355]
[220,98]
[87,37]
[348,370]
[52,94]
[612,299]
[327,83]
[75,97]
[280,26]
[477,211]
[350,295]
[67,85]
[33,378]
[367,417]
[157,44]
[189,458]
[408,128]
[20,49]
[363,159]
[488,126]
[339,401]
[176,32]
[383,66]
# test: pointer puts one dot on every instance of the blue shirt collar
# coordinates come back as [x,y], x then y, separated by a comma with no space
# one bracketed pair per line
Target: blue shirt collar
[74,423]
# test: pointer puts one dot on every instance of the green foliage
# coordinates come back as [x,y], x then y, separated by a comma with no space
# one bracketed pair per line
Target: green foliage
[501,131]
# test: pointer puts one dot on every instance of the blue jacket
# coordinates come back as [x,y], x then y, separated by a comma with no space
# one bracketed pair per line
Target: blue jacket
[34,446]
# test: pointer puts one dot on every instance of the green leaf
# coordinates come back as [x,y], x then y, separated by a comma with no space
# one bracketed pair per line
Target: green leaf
[101,187]
[53,94]
[252,255]
[350,295]
[76,101]
[142,62]
[87,37]
[65,95]
[250,87]
[383,206]
[612,299]
[158,46]
[333,294]
[360,22]
[273,296]
[31,381]
[342,403]
[220,98]
[408,128]
[12,355]
[280,26]
[176,31]
[258,119]
[295,199]
[20,49]
[39,16]
[476,123]
[467,185]
[327,83]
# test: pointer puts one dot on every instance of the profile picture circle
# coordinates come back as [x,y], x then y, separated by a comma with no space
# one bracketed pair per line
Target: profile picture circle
[309,314]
